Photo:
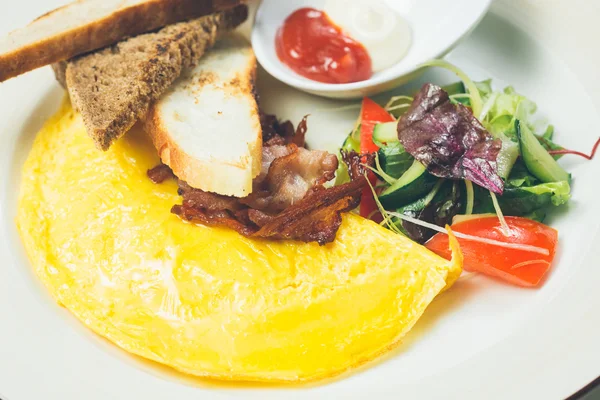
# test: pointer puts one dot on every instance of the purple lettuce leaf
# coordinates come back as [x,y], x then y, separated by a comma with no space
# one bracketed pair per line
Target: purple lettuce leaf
[449,140]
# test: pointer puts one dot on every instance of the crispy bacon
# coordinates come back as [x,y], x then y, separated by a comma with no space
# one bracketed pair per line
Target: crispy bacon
[289,201]
[270,154]
[279,133]
[299,138]
[356,163]
[277,138]
[160,173]
[260,218]
[289,176]
[315,218]
[212,218]
[210,201]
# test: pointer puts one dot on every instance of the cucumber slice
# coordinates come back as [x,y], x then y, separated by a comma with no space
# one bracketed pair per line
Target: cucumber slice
[537,160]
[507,157]
[412,185]
[385,133]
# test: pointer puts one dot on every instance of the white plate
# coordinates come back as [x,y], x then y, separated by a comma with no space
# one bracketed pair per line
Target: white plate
[480,340]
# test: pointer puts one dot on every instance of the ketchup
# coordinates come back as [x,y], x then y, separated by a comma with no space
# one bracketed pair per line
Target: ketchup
[314,47]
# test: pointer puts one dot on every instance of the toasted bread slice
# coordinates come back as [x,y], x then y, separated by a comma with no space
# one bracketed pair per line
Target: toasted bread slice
[88,25]
[206,127]
[113,87]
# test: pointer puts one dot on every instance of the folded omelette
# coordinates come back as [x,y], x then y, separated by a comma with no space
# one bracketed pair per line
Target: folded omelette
[207,301]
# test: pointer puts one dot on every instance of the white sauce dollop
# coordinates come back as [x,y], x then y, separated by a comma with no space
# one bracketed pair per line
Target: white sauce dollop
[384,33]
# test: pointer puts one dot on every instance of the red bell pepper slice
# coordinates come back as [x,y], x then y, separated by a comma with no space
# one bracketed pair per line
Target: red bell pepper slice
[519,267]
[371,115]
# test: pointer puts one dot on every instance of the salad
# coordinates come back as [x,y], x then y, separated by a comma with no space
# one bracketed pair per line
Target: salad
[471,157]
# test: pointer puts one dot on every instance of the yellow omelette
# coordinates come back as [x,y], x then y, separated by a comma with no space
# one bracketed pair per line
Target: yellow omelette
[207,301]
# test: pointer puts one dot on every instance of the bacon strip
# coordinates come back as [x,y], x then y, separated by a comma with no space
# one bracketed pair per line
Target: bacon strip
[290,176]
[160,173]
[317,217]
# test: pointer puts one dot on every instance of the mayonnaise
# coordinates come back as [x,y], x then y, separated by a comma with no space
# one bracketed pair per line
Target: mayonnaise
[384,33]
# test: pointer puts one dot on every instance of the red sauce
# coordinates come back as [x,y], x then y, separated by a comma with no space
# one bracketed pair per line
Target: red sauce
[314,47]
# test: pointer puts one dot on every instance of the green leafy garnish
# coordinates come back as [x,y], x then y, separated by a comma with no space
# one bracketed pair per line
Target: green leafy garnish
[525,193]
[394,160]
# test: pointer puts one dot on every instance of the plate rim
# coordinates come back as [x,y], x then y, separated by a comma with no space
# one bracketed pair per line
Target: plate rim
[40,76]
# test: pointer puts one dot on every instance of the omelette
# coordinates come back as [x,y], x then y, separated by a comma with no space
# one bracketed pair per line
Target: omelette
[203,300]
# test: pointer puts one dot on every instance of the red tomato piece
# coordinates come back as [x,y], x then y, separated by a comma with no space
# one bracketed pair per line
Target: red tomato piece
[371,115]
[368,206]
[519,267]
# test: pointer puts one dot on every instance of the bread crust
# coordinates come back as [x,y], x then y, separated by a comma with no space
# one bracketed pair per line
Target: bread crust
[131,21]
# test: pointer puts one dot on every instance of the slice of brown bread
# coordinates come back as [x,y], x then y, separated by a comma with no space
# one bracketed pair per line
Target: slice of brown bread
[114,87]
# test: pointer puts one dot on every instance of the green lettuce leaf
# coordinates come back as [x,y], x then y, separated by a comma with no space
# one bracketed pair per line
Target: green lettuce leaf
[394,159]
[558,192]
[439,207]
[524,200]
[520,176]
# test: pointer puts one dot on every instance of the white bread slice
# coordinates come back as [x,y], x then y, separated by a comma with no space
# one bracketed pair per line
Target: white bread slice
[88,25]
[206,127]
